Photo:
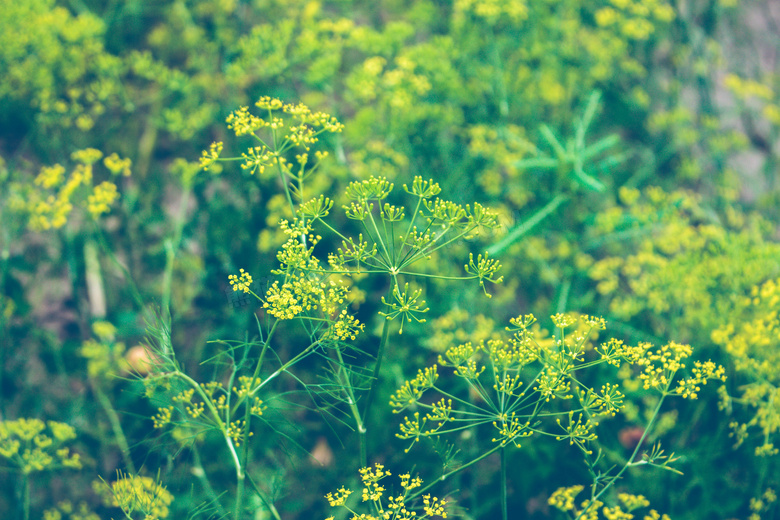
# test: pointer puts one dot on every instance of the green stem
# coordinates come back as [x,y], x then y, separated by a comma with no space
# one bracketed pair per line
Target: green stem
[200,474]
[359,425]
[116,426]
[378,367]
[215,415]
[267,503]
[528,225]
[247,418]
[171,247]
[504,512]
[26,496]
[630,461]
[128,277]
[499,446]
[240,461]
[239,495]
[455,471]
[5,335]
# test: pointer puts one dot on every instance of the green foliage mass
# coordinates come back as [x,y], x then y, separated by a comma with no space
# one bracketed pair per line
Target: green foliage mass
[216,214]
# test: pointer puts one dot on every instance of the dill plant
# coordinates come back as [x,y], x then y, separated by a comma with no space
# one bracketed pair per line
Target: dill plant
[423,86]
[311,293]
[394,241]
[30,446]
[523,387]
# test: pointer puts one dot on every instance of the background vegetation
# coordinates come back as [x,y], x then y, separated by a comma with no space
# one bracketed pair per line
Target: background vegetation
[629,149]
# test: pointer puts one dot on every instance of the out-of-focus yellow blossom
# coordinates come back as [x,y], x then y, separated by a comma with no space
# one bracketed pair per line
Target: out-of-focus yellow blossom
[66,510]
[117,165]
[491,11]
[684,265]
[133,494]
[28,446]
[52,196]
[772,113]
[747,88]
[753,341]
[101,199]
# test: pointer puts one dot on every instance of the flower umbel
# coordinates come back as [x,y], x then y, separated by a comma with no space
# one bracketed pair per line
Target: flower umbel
[395,507]
[405,306]
[241,282]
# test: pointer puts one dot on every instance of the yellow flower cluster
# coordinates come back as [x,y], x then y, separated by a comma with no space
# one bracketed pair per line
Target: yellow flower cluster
[563,499]
[117,165]
[241,282]
[491,11]
[73,80]
[257,158]
[50,200]
[747,88]
[194,408]
[236,431]
[502,151]
[499,365]
[378,158]
[685,268]
[413,389]
[662,364]
[162,417]
[406,305]
[101,199]
[635,18]
[105,359]
[397,86]
[347,327]
[208,159]
[752,93]
[29,447]
[456,326]
[484,269]
[286,126]
[133,494]
[762,504]
[339,498]
[192,403]
[307,125]
[65,510]
[396,508]
[242,122]
[753,341]
[303,293]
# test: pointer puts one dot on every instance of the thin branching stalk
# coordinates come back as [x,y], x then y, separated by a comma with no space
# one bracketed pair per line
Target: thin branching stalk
[504,512]
[116,426]
[200,474]
[171,248]
[352,403]
[25,496]
[596,495]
